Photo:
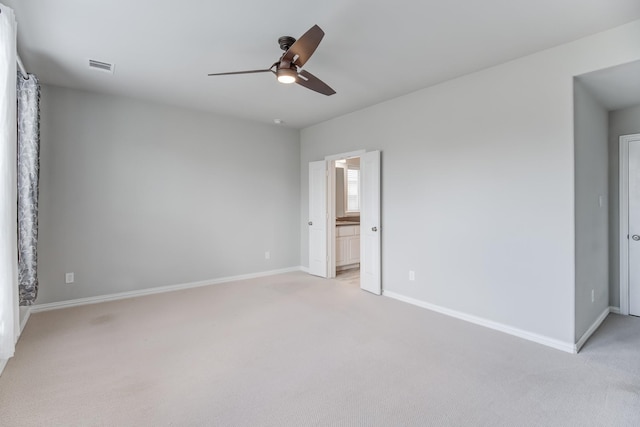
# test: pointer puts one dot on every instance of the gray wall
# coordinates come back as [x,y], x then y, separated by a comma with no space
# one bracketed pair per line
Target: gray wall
[137,195]
[591,225]
[621,122]
[478,185]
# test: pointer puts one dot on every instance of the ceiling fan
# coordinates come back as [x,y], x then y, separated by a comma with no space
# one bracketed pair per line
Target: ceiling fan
[296,54]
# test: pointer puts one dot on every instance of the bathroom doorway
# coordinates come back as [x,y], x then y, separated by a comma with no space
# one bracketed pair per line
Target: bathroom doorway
[322,219]
[347,198]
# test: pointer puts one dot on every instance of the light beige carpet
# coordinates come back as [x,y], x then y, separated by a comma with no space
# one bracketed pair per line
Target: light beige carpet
[294,350]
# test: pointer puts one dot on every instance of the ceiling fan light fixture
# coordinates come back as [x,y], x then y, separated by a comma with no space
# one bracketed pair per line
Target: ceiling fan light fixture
[286,75]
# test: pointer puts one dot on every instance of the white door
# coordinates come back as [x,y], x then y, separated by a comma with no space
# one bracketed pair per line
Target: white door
[634,228]
[318,218]
[370,279]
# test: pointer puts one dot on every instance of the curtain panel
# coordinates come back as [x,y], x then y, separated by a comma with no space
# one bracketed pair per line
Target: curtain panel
[28,92]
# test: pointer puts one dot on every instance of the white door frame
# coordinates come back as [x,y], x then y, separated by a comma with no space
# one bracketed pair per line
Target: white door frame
[331,205]
[624,220]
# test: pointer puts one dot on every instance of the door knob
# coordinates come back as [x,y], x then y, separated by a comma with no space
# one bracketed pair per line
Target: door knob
[310,222]
[374,228]
[635,237]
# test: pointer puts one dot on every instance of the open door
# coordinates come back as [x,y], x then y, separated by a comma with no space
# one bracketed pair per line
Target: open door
[318,217]
[630,224]
[370,279]
[633,241]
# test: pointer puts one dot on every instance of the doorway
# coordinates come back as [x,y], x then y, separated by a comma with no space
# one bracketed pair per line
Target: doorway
[630,224]
[346,244]
[344,226]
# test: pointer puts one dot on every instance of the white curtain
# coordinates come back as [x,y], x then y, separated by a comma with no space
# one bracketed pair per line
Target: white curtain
[9,324]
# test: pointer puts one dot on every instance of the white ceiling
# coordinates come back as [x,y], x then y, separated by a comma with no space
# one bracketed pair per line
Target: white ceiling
[616,87]
[372,51]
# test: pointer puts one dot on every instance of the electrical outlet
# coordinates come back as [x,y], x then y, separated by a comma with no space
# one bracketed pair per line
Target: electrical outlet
[267,255]
[412,275]
[69,278]
[593,295]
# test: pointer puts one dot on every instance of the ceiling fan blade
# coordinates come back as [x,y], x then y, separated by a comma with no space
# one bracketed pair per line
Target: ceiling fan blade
[303,48]
[310,81]
[242,72]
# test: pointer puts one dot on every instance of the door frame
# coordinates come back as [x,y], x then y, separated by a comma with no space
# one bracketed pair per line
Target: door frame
[331,205]
[625,140]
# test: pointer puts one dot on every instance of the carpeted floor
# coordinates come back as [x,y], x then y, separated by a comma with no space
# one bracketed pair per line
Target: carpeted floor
[295,350]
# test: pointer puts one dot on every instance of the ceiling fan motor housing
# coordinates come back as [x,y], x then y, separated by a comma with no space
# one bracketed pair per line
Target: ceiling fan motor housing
[286,42]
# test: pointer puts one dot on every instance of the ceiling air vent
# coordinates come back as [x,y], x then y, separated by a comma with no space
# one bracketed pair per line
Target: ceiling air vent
[101,66]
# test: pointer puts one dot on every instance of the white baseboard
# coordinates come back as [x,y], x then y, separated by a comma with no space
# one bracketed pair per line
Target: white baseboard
[614,310]
[540,339]
[583,339]
[157,290]
[304,269]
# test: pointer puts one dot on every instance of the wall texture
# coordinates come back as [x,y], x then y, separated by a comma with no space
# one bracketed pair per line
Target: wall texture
[621,122]
[137,195]
[591,226]
[478,185]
